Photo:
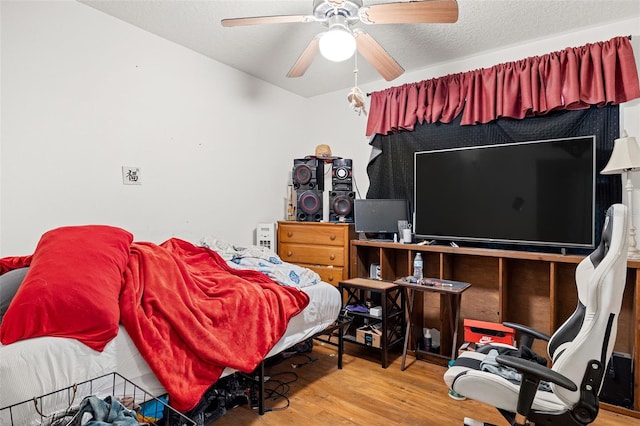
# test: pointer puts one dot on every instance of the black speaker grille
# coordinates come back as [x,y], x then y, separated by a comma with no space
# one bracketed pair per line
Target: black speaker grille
[309,206]
[307,173]
[341,206]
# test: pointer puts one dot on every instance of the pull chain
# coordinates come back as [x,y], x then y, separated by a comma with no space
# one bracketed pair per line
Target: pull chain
[356,97]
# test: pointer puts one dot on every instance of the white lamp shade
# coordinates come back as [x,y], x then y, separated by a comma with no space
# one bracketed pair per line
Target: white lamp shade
[337,44]
[625,156]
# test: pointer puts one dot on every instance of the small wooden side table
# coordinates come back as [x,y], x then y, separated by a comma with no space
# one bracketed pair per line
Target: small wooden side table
[356,291]
[453,289]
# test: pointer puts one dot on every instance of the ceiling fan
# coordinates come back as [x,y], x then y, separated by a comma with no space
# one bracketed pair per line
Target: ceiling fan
[341,15]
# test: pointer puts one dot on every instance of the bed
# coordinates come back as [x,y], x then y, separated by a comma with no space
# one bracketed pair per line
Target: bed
[41,364]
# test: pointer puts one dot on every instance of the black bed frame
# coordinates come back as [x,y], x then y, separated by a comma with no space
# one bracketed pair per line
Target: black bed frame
[339,326]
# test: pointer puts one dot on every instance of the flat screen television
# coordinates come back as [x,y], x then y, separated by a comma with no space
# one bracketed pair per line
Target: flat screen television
[538,193]
[379,216]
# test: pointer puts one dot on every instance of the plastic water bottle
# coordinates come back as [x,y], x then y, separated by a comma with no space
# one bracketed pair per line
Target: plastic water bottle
[417,267]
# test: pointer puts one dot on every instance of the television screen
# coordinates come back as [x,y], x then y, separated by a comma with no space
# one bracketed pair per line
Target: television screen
[534,193]
[379,216]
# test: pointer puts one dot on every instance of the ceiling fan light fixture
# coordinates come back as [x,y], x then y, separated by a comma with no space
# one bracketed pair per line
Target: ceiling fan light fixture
[337,44]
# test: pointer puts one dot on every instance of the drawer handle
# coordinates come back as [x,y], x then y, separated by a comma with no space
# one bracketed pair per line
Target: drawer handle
[330,278]
[332,257]
[289,254]
[289,234]
[332,237]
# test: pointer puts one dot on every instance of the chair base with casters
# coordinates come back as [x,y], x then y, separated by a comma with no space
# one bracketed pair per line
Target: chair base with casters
[515,381]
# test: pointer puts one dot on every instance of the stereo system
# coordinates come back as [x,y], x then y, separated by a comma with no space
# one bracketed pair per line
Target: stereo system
[341,206]
[308,182]
[309,206]
[308,173]
[341,196]
[341,174]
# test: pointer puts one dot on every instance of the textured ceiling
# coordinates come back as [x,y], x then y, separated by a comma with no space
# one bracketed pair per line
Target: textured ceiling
[268,51]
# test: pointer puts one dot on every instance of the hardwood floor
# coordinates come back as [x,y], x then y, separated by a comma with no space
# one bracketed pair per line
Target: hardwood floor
[363,393]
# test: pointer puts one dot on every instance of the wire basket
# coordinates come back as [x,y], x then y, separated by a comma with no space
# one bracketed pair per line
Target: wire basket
[61,407]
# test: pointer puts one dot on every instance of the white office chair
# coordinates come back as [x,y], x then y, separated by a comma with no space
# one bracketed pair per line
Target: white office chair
[580,349]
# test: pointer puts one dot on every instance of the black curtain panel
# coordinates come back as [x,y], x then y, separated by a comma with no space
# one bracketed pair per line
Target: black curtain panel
[390,168]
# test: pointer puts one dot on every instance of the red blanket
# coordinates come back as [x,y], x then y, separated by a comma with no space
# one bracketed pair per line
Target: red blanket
[190,315]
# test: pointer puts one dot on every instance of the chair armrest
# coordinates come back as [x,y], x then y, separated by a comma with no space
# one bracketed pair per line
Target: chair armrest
[527,334]
[532,373]
[537,371]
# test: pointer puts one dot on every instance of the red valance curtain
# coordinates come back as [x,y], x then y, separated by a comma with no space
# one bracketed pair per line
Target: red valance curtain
[575,78]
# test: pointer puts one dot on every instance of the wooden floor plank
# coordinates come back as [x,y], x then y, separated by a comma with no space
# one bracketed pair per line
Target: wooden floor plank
[363,393]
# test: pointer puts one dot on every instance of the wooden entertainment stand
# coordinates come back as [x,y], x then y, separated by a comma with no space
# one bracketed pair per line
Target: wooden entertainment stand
[536,289]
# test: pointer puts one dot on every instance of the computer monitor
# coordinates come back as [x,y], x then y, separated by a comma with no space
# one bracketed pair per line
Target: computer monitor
[380,216]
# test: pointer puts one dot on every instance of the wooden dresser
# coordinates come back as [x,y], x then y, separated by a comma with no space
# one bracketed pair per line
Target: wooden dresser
[320,246]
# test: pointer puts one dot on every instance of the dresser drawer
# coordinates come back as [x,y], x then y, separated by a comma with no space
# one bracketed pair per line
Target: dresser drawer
[313,255]
[306,233]
[329,275]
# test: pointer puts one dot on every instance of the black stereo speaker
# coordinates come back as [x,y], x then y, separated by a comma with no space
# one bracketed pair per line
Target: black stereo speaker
[617,388]
[307,173]
[341,206]
[309,206]
[341,174]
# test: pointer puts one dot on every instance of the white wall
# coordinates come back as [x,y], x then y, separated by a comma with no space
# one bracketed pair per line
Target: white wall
[84,94]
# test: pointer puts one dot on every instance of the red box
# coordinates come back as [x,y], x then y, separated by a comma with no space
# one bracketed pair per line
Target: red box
[484,332]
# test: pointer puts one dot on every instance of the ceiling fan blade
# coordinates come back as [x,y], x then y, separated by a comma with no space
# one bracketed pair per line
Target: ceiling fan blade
[413,12]
[281,19]
[375,54]
[305,59]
